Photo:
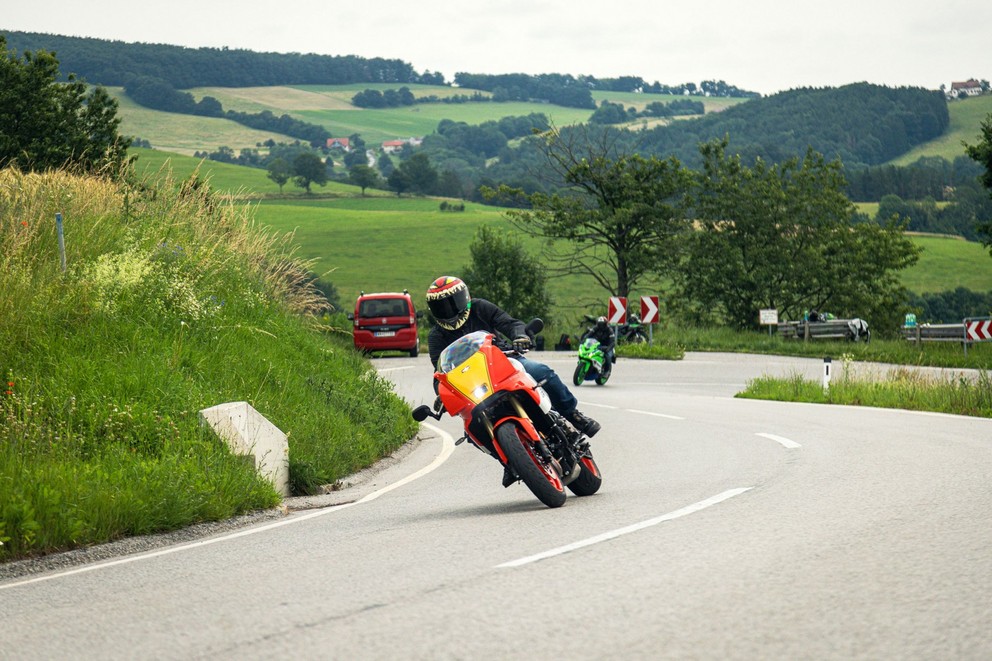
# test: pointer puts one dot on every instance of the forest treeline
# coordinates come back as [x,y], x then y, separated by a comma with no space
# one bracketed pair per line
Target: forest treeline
[116,63]
[861,124]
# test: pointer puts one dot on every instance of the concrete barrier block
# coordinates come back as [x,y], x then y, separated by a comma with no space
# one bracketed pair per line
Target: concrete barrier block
[247,432]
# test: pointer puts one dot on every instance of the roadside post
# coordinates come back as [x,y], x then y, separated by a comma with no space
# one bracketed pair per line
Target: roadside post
[826,374]
[649,315]
[768,317]
[58,228]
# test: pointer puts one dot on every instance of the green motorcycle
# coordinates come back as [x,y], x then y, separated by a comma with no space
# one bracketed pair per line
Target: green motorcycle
[591,364]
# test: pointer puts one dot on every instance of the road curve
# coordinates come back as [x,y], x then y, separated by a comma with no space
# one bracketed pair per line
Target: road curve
[725,528]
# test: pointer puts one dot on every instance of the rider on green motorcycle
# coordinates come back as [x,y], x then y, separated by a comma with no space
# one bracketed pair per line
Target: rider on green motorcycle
[603,332]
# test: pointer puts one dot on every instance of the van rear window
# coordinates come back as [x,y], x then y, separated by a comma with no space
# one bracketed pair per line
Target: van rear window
[383,307]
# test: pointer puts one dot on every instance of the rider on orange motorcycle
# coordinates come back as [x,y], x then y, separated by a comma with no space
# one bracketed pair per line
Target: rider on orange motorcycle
[457,314]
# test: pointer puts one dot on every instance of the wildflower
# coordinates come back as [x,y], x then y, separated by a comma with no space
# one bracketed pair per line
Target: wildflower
[24,223]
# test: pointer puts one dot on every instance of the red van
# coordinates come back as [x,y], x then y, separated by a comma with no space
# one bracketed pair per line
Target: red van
[385,321]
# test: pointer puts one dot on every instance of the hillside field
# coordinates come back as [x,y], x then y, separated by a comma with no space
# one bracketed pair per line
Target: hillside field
[330,106]
[384,242]
[966,121]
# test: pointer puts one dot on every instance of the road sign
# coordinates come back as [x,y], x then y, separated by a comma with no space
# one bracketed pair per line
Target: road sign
[649,309]
[978,330]
[618,310]
[768,317]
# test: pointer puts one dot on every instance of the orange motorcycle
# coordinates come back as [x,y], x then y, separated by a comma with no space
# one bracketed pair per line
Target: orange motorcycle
[509,416]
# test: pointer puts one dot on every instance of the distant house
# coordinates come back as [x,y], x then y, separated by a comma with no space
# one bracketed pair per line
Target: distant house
[393,146]
[968,88]
[339,143]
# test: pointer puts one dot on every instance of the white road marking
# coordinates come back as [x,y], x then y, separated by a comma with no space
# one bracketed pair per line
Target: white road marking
[779,439]
[606,536]
[395,369]
[657,415]
[448,446]
[600,406]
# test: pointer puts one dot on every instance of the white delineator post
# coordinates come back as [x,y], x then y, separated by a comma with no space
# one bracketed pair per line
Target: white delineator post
[826,374]
[247,432]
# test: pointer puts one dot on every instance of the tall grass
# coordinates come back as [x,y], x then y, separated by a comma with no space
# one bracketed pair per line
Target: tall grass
[171,301]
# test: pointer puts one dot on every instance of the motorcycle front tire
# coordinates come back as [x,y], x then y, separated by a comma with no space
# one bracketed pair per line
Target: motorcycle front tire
[589,480]
[580,372]
[541,478]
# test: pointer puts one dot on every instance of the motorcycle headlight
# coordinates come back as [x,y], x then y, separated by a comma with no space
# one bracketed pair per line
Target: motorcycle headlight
[480,391]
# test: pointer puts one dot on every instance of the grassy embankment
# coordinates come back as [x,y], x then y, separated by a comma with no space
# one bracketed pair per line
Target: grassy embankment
[899,388]
[172,301]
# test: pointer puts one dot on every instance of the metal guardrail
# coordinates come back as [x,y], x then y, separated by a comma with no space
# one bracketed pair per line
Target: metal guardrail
[834,329]
[969,331]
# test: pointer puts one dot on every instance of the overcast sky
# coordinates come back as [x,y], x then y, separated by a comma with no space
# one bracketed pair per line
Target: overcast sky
[764,46]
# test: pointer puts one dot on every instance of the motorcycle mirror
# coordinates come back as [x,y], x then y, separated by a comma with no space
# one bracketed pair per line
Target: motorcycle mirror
[535,326]
[422,412]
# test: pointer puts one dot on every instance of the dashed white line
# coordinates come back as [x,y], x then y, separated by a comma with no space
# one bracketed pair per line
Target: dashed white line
[779,439]
[613,534]
[657,415]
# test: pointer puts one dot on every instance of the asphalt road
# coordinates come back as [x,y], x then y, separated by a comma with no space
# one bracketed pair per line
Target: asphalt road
[725,529]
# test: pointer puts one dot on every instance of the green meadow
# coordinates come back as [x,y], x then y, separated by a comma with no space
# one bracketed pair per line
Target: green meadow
[382,242]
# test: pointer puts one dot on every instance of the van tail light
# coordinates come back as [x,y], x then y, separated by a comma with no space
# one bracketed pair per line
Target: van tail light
[411,321]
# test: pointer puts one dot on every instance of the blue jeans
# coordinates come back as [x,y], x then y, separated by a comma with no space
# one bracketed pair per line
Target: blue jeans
[561,397]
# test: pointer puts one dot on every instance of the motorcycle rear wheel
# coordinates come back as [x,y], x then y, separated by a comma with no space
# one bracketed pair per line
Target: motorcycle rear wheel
[541,478]
[589,480]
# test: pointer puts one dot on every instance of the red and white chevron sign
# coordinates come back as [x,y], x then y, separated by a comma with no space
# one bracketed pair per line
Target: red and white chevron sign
[618,310]
[978,330]
[649,309]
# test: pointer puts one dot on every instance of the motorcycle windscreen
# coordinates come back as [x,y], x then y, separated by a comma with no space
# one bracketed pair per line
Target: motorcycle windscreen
[461,350]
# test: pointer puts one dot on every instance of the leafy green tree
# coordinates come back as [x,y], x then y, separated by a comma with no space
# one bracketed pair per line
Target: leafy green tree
[618,215]
[398,181]
[279,172]
[504,273]
[45,124]
[309,169]
[363,176]
[982,153]
[782,236]
[420,173]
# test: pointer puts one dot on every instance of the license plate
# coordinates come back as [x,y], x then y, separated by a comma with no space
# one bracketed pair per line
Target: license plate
[385,333]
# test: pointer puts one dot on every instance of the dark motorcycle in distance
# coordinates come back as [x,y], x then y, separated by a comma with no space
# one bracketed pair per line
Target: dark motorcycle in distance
[631,332]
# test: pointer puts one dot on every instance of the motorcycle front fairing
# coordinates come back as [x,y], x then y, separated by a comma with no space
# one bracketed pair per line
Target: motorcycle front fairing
[479,383]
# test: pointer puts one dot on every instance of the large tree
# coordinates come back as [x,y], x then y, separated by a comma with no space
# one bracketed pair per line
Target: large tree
[617,215]
[982,153]
[363,176]
[784,237]
[503,272]
[309,169]
[45,124]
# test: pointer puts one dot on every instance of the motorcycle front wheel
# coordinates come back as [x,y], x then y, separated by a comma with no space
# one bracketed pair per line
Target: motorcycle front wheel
[540,477]
[589,480]
[580,372]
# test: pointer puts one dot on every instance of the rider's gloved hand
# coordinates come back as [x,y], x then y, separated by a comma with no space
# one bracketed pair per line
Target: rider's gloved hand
[521,343]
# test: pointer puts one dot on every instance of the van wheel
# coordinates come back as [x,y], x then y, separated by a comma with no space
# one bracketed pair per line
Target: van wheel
[415,350]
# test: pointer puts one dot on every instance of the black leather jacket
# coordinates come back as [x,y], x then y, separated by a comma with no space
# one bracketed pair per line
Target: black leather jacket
[484,316]
[607,339]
